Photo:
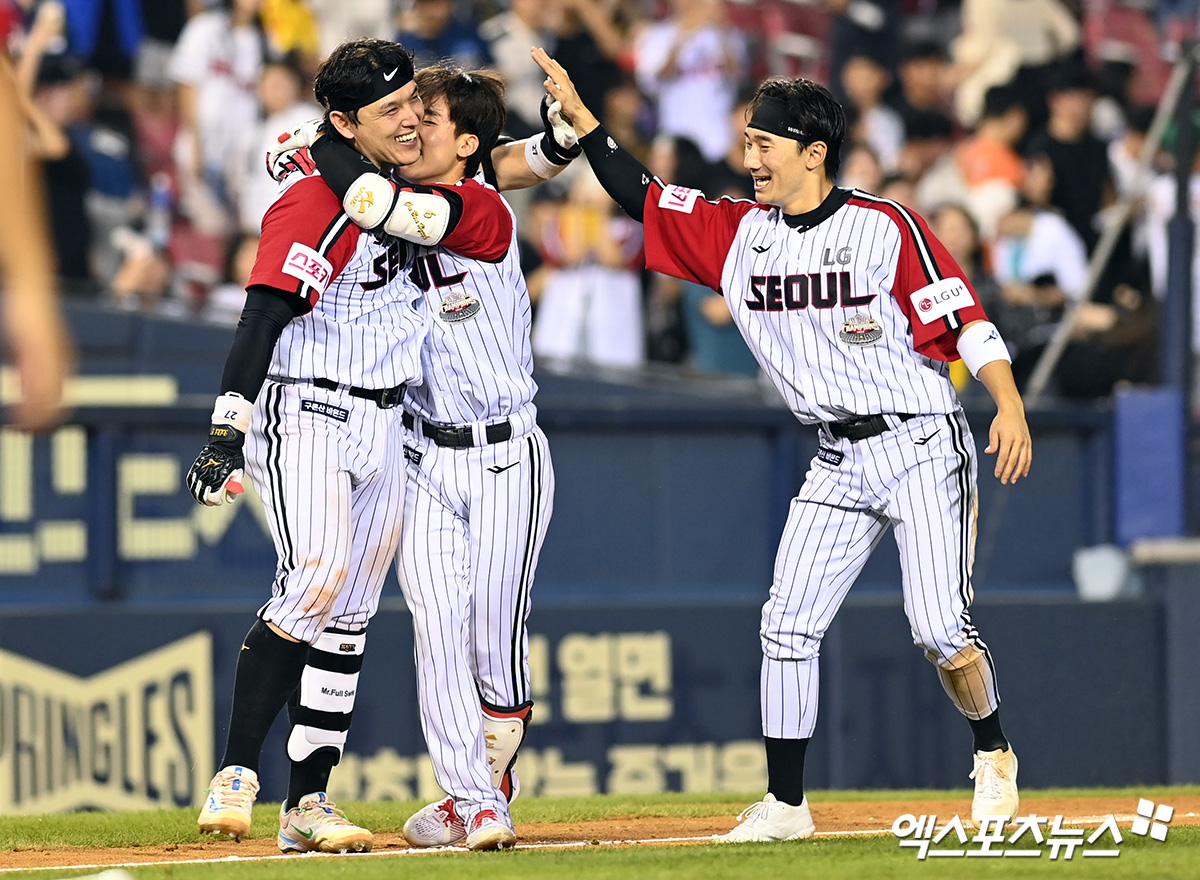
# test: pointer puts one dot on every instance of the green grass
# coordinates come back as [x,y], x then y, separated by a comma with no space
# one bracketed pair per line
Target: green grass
[825,858]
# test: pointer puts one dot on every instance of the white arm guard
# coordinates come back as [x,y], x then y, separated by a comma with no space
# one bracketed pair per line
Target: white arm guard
[536,159]
[234,410]
[418,217]
[980,344]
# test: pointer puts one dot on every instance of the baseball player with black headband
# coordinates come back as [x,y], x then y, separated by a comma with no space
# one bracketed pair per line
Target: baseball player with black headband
[854,310]
[481,484]
[328,341]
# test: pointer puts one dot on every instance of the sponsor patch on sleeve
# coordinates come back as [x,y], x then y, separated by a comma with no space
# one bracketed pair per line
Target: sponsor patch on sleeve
[937,300]
[309,266]
[678,198]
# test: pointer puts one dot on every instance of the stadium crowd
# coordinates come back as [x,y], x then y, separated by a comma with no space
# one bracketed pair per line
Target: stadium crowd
[1014,126]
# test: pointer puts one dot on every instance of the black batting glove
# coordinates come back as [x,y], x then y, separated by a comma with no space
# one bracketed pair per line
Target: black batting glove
[216,475]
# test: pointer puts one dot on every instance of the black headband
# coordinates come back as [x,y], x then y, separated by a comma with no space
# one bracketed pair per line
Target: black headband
[772,115]
[384,81]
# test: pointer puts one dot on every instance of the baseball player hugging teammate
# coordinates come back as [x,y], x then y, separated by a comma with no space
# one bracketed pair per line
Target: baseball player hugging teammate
[329,339]
[481,485]
[853,310]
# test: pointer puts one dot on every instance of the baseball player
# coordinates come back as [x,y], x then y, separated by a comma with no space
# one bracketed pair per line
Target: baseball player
[481,484]
[853,309]
[328,341]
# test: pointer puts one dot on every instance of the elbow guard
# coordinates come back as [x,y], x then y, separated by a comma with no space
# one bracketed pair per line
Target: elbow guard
[373,201]
[980,344]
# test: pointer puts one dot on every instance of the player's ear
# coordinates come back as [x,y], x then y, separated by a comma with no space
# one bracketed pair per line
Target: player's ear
[342,124]
[468,144]
[814,157]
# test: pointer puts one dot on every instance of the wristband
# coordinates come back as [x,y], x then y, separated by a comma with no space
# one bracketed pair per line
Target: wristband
[980,344]
[537,160]
[234,410]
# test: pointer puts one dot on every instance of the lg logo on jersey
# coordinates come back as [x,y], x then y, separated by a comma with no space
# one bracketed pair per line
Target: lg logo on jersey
[774,293]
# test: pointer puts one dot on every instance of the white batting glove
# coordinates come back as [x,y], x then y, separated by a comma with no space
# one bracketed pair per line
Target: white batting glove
[280,155]
[561,143]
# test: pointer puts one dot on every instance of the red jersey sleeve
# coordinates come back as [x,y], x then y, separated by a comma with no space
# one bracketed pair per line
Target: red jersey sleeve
[484,231]
[689,236]
[307,241]
[930,287]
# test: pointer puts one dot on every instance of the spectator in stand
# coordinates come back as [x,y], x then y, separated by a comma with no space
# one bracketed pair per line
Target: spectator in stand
[591,308]
[105,34]
[592,40]
[339,20]
[217,63]
[291,29]
[509,36]
[864,83]
[1082,182]
[925,90]
[992,169]
[163,21]
[433,32]
[858,27]
[900,188]
[691,65]
[861,169]
[284,92]
[225,301]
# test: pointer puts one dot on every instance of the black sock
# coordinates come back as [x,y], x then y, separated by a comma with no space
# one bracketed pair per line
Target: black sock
[785,769]
[988,735]
[268,671]
[311,775]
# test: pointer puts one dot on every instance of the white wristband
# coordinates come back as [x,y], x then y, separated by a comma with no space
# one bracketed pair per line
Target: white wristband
[537,161]
[980,344]
[234,410]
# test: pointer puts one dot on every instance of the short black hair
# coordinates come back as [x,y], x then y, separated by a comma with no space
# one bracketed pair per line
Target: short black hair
[815,110]
[344,79]
[998,100]
[474,100]
[923,50]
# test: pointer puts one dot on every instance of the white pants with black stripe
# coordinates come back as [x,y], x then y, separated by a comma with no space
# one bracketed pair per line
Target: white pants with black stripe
[474,521]
[329,471]
[919,477]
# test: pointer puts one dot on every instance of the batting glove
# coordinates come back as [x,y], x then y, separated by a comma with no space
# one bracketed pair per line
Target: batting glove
[281,157]
[559,143]
[216,475]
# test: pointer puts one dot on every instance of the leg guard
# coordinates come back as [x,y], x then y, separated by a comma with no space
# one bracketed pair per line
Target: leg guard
[504,731]
[969,680]
[325,702]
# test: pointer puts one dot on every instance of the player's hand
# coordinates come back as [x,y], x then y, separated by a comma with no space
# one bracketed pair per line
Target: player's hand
[281,155]
[561,143]
[216,475]
[560,89]
[1009,438]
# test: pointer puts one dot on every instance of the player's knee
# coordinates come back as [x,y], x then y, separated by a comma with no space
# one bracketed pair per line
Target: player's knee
[789,646]
[951,658]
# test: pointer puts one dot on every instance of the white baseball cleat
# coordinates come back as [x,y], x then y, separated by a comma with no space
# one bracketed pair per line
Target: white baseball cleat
[995,776]
[227,808]
[489,831]
[317,825]
[436,824]
[770,819]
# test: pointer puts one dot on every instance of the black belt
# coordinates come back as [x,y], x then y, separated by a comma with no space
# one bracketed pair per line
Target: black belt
[864,426]
[460,436]
[385,398]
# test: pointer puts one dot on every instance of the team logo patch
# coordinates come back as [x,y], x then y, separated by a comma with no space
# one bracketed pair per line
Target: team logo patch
[458,306]
[830,456]
[325,409]
[860,330]
[346,647]
[412,455]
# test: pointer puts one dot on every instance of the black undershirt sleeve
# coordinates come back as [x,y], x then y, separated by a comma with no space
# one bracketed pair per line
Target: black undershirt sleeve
[266,313]
[625,178]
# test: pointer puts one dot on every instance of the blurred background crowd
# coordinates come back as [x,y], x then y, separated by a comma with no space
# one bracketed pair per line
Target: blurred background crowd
[1012,125]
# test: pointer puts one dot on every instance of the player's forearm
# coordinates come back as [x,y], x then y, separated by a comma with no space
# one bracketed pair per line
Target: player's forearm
[624,178]
[997,378]
[263,319]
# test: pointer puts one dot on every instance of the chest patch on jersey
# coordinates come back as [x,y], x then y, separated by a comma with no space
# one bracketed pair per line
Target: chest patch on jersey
[325,409]
[941,298]
[413,455]
[860,330]
[309,266]
[678,198]
[458,306]
[830,456]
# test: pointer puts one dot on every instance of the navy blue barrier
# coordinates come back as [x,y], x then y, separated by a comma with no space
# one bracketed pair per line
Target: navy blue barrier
[629,699]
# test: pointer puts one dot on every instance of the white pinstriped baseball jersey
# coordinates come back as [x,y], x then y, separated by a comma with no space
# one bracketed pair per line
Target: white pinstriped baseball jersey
[832,303]
[367,319]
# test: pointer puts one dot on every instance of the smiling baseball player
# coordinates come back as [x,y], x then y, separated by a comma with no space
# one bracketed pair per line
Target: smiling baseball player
[853,309]
[481,485]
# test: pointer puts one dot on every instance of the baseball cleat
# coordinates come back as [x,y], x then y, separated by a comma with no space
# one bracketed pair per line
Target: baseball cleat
[227,807]
[317,825]
[435,825]
[995,776]
[769,820]
[489,831]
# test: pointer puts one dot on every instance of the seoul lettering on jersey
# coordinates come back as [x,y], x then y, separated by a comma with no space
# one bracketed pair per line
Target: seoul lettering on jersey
[427,272]
[775,293]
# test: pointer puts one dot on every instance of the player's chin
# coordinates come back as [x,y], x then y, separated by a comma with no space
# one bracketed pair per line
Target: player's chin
[406,153]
